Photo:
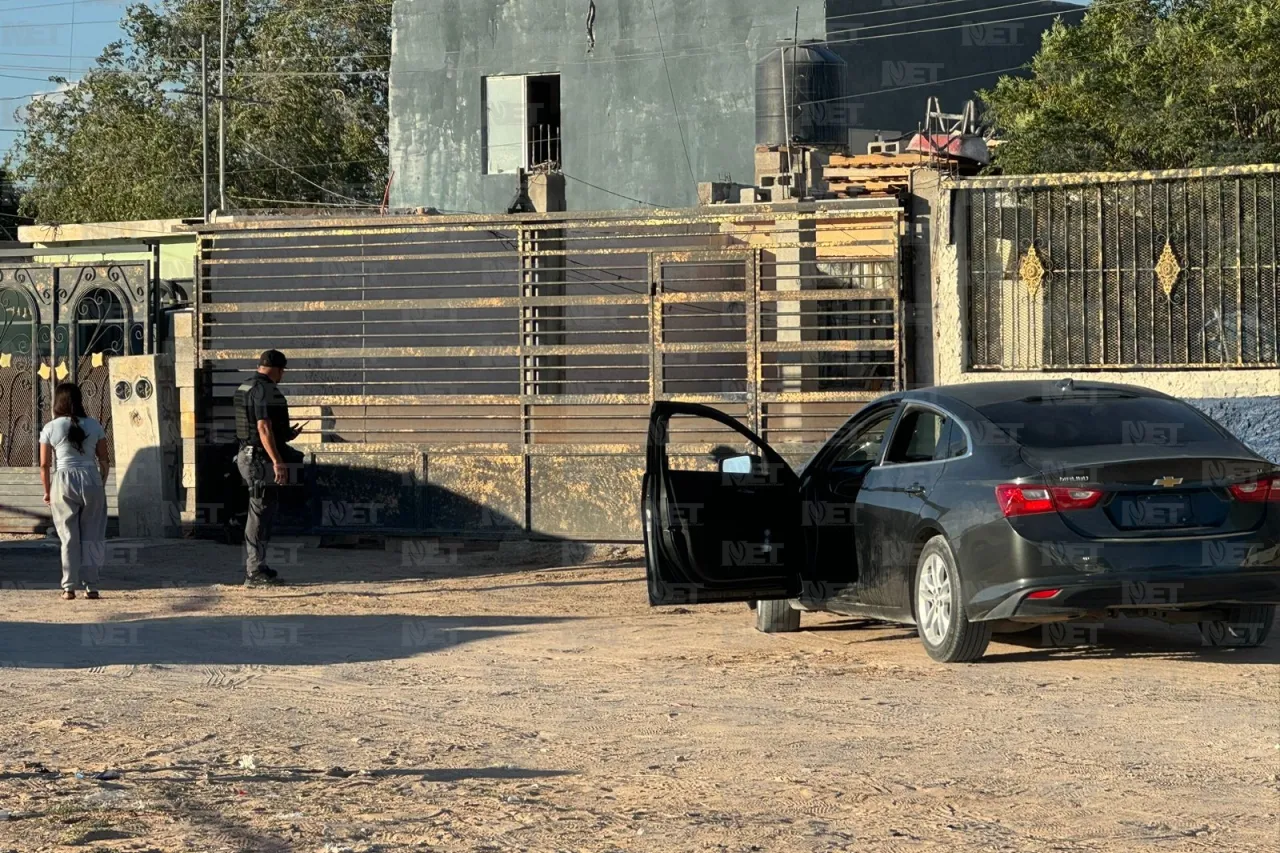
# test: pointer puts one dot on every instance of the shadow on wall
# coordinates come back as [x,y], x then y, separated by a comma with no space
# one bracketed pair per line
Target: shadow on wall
[340,500]
[286,640]
[148,507]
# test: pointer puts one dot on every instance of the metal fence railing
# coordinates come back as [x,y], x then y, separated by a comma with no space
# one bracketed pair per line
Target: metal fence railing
[1115,271]
[61,322]
[498,371]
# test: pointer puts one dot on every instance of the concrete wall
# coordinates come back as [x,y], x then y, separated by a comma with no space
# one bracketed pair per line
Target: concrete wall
[619,128]
[1246,401]
[1253,419]
[901,52]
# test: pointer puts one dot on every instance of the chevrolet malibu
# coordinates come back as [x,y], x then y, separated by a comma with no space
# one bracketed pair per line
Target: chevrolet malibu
[971,509]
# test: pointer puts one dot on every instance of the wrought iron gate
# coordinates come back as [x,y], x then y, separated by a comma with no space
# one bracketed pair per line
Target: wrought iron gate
[1115,271]
[59,323]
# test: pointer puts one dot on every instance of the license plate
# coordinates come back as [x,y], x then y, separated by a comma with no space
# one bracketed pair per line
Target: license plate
[1147,511]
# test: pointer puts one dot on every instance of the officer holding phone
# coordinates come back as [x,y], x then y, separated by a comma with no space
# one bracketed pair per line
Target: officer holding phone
[265,460]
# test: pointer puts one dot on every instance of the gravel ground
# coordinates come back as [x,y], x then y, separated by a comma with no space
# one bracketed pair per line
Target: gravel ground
[479,703]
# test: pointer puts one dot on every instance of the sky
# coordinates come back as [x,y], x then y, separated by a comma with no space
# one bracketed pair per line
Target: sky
[37,39]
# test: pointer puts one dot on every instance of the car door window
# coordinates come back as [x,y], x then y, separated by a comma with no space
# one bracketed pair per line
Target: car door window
[863,444]
[957,443]
[921,436]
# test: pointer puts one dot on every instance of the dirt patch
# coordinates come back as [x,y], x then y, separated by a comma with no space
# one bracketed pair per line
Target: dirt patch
[387,702]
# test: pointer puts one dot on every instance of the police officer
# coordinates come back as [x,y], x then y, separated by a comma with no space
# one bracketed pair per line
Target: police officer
[264,459]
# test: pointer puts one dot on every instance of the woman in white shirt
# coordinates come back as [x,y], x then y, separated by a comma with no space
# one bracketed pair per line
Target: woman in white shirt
[74,490]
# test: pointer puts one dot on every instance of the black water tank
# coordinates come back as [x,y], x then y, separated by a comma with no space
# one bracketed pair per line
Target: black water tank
[812,80]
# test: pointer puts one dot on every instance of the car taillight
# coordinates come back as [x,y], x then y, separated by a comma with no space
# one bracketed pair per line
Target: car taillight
[1030,500]
[1257,491]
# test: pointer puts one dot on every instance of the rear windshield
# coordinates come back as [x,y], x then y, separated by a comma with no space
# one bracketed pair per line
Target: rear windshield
[1090,421]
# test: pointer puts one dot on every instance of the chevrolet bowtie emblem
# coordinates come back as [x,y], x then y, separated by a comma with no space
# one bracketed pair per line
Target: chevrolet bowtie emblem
[1168,482]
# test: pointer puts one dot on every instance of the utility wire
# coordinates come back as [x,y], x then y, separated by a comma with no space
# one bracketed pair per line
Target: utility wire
[611,192]
[303,177]
[914,85]
[674,106]
[665,55]
[282,201]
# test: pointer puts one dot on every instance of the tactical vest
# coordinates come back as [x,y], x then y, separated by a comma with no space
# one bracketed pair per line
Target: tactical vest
[246,430]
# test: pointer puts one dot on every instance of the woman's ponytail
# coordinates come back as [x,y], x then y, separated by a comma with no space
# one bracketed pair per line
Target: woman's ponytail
[76,435]
[68,403]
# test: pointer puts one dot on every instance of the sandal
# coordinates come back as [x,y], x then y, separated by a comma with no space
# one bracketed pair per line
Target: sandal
[68,595]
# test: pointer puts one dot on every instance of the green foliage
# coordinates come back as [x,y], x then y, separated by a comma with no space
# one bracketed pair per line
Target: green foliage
[306,87]
[1146,84]
[9,219]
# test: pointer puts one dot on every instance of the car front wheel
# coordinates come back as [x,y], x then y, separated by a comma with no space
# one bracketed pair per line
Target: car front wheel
[946,632]
[1246,626]
[776,617]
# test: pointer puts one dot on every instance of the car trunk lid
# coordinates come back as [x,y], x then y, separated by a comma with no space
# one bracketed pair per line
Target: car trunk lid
[1156,492]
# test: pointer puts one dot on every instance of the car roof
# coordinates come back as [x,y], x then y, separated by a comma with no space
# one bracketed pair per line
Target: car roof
[978,394]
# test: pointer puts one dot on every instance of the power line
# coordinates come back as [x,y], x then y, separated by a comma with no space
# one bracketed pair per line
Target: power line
[45,26]
[303,177]
[915,85]
[631,126]
[674,105]
[933,4]
[662,53]
[611,192]
[282,201]
[705,50]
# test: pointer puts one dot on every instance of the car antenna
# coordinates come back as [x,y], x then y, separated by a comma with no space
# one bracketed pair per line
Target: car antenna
[1066,386]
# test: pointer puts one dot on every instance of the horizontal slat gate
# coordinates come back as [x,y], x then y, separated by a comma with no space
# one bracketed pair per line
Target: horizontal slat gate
[495,378]
[22,506]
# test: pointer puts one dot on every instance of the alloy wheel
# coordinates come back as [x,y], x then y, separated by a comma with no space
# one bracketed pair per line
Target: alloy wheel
[933,600]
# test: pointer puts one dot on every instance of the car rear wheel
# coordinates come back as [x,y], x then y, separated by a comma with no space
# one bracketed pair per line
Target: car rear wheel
[1246,626]
[777,617]
[947,634]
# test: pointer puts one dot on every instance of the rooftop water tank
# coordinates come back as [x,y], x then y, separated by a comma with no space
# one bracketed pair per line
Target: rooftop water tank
[800,90]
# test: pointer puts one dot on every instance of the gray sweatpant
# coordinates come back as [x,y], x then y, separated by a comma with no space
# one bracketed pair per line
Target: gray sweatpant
[79,504]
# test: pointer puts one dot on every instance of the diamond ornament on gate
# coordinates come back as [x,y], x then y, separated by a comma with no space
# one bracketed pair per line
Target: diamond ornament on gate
[1168,269]
[1031,272]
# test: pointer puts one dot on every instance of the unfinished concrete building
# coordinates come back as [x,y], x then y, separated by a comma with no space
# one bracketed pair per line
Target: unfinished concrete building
[640,100]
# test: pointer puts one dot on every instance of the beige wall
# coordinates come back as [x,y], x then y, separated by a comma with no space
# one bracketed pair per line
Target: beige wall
[118,242]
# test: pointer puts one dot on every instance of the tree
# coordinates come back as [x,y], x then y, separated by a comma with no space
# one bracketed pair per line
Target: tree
[1146,84]
[9,218]
[306,113]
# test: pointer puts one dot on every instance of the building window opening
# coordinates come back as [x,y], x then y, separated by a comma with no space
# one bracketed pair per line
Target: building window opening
[521,123]
[544,120]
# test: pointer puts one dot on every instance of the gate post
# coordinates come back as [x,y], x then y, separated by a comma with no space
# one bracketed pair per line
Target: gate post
[147,445]
[794,261]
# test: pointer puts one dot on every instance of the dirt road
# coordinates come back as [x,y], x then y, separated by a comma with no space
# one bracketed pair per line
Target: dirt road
[389,705]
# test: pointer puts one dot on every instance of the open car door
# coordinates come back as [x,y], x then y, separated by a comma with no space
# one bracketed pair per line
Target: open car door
[725,534]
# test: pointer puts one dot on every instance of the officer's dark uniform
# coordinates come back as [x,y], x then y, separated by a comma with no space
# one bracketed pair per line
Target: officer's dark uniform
[259,399]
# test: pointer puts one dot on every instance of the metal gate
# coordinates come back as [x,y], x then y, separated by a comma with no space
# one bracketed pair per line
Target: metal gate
[493,376]
[59,324]
[1115,271]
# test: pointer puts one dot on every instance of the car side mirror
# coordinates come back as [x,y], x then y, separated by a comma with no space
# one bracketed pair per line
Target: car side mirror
[745,464]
